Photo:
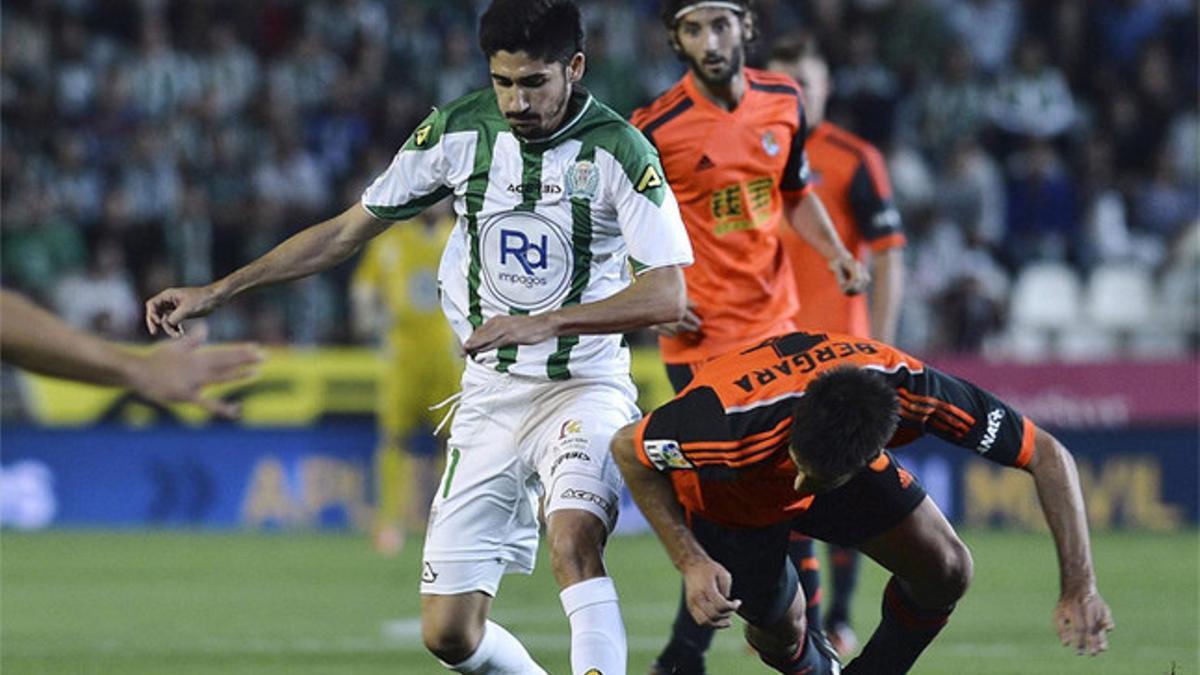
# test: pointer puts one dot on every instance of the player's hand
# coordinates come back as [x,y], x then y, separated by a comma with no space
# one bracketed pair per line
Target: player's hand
[177,371]
[852,276]
[690,323]
[502,331]
[1083,621]
[168,309]
[707,585]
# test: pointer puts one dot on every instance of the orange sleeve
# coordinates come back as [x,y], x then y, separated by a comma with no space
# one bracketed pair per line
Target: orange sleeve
[1028,435]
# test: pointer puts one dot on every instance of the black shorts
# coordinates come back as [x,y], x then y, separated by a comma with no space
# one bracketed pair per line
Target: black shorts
[873,502]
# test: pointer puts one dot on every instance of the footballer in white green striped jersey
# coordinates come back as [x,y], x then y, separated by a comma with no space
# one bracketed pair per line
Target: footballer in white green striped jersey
[560,203]
[543,222]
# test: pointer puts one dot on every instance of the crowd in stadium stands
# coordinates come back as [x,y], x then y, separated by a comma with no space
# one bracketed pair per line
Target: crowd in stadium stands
[148,143]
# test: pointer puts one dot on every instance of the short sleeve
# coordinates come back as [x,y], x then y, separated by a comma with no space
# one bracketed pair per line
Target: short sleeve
[646,210]
[416,178]
[875,214]
[797,175]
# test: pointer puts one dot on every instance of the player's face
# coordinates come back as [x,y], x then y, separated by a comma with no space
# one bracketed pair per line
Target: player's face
[813,77]
[533,94]
[713,40]
[810,482]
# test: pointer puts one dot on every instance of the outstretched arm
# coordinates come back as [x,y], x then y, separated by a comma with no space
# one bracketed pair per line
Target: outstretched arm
[707,584]
[309,251]
[1082,617]
[809,218]
[656,296]
[33,339]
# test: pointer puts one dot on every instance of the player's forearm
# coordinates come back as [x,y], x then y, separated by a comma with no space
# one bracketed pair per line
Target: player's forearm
[810,219]
[35,340]
[312,250]
[657,296]
[1058,489]
[887,293]
[655,498]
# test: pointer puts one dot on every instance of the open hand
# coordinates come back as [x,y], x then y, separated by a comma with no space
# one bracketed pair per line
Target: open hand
[177,371]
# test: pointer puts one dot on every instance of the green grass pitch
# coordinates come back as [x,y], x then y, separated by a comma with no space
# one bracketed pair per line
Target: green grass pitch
[186,603]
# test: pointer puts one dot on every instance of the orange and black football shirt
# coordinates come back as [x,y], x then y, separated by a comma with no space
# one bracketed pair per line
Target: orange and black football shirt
[724,439]
[730,170]
[850,177]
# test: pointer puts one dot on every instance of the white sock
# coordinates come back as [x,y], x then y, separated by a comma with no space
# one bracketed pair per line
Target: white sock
[498,653]
[597,634]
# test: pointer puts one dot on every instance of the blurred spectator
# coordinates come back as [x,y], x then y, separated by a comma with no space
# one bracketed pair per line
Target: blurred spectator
[1032,100]
[972,195]
[101,299]
[1164,204]
[989,28]
[1043,211]
[952,105]
[865,91]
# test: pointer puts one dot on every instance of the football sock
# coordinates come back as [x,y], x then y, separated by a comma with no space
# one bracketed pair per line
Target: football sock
[809,659]
[597,634]
[498,653]
[684,654]
[843,580]
[808,567]
[903,633]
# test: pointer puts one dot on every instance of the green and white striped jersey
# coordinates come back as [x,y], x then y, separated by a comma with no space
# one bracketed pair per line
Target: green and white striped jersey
[540,225]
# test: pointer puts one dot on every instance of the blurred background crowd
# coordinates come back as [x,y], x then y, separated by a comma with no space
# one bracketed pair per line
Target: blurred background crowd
[1045,155]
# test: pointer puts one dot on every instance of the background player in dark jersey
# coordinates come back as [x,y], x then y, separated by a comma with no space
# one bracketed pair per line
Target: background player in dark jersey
[790,435]
[850,177]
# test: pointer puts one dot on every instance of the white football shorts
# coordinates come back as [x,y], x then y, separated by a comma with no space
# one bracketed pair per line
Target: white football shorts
[514,442]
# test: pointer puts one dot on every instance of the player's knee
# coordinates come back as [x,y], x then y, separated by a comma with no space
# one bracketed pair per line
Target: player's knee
[955,569]
[450,641]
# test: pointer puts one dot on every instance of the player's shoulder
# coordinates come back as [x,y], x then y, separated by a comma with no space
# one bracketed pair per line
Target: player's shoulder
[672,102]
[770,82]
[471,111]
[845,138]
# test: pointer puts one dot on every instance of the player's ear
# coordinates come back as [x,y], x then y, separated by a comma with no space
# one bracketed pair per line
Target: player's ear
[673,40]
[576,67]
[749,29]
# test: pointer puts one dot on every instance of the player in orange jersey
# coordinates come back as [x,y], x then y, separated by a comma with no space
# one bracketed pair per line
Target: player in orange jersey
[790,435]
[732,145]
[849,175]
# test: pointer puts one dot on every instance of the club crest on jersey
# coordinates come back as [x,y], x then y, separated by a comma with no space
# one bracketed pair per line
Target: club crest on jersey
[583,179]
[770,143]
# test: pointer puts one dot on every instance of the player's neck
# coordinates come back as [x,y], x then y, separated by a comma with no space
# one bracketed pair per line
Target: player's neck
[727,95]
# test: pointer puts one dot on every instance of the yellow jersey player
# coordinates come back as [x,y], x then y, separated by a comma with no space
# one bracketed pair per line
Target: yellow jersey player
[394,297]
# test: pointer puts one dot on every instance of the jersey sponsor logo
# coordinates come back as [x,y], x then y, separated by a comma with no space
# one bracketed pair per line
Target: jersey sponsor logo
[422,135]
[770,143]
[526,260]
[666,454]
[650,179]
[428,575]
[589,496]
[993,431]
[546,188]
[582,179]
[574,454]
[741,206]
[570,427]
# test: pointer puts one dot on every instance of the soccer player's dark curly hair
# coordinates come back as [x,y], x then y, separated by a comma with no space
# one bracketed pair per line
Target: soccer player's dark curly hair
[844,419]
[547,30]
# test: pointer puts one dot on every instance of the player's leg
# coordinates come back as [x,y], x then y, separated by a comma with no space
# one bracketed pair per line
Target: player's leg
[803,555]
[392,470]
[931,568]
[843,579]
[582,492]
[773,603]
[684,651]
[482,524]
